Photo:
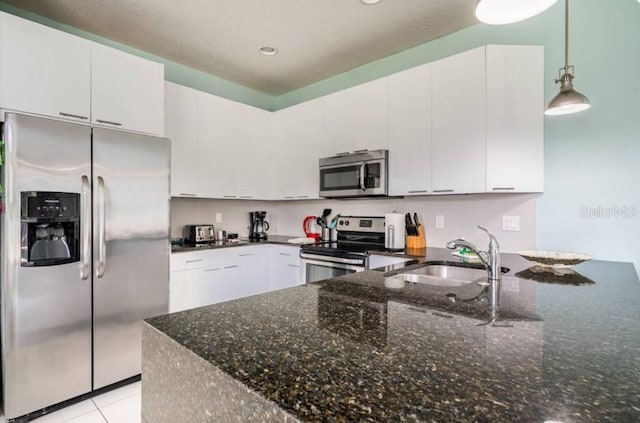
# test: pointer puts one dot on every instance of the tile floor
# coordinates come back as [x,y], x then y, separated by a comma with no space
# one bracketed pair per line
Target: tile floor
[121,405]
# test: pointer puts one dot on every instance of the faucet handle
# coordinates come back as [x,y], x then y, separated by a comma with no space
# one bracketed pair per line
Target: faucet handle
[493,242]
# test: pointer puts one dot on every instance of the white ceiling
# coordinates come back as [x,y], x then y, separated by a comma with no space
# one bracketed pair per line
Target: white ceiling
[317,39]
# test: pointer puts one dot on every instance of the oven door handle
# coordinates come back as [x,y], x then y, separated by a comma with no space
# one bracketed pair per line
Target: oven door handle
[324,260]
[362,168]
[341,266]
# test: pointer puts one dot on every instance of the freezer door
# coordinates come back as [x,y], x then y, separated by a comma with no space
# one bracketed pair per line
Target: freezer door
[131,247]
[46,310]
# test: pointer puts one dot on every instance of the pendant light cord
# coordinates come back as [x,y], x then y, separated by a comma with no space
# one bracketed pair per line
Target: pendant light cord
[566,36]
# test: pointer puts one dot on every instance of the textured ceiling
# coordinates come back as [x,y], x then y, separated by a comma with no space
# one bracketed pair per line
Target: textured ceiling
[317,39]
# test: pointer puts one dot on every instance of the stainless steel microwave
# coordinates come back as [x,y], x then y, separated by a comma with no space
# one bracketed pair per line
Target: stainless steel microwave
[358,174]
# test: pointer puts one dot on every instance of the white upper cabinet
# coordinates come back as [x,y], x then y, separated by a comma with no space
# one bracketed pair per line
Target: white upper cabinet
[459,123]
[218,120]
[254,151]
[44,71]
[515,114]
[181,127]
[127,92]
[357,118]
[410,131]
[298,145]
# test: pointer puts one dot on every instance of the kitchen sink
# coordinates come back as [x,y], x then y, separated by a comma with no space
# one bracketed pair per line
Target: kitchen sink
[439,275]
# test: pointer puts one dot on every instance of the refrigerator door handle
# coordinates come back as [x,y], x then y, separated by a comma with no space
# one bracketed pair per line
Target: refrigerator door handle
[101,231]
[85,215]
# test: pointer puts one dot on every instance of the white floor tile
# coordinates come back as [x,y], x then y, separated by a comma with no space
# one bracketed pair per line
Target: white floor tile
[68,413]
[127,410]
[116,395]
[92,417]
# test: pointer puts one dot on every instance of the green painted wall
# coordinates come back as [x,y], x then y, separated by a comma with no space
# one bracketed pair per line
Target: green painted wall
[174,72]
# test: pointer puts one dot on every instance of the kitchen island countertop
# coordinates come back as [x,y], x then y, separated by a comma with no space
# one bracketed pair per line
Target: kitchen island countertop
[352,349]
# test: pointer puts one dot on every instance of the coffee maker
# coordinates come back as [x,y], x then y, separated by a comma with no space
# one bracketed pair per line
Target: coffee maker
[259,226]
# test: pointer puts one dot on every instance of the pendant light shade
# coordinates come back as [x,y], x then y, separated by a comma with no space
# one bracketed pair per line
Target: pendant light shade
[568,100]
[500,12]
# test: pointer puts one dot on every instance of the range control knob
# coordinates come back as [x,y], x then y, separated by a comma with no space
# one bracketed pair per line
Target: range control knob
[346,223]
[341,222]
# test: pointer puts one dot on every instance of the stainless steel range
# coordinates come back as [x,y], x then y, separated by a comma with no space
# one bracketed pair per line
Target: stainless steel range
[357,235]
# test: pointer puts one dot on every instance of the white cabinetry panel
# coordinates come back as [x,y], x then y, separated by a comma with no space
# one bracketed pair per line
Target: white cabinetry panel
[410,131]
[44,71]
[515,118]
[459,123]
[127,92]
[181,126]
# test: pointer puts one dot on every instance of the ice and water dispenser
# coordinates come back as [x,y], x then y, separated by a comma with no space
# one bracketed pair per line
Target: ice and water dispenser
[50,228]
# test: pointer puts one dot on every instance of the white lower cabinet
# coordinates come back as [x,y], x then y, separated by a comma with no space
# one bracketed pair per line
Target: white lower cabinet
[201,278]
[284,267]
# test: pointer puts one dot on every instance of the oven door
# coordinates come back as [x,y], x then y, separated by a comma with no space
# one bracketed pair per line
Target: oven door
[315,267]
[367,178]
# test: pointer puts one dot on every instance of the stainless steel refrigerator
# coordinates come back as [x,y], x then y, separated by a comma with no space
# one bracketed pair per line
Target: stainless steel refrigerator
[85,257]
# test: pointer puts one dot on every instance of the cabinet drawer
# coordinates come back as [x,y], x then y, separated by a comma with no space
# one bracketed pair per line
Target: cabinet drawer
[284,253]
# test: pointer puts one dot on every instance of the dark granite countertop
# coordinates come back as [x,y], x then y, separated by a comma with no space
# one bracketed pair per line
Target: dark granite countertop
[272,239]
[351,349]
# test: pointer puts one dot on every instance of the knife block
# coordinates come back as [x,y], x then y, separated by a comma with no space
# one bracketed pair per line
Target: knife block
[416,242]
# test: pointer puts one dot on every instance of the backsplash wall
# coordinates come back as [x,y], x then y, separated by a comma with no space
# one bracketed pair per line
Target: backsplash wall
[461,212]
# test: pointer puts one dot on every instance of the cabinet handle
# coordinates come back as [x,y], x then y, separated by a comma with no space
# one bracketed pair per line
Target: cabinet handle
[417,191]
[303,196]
[442,190]
[446,316]
[245,254]
[504,189]
[344,153]
[231,267]
[228,196]
[285,254]
[73,116]
[364,150]
[108,122]
[246,196]
[293,265]
[194,261]
[289,196]
[211,270]
[186,194]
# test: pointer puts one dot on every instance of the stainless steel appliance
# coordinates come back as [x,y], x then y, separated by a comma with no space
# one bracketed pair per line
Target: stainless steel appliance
[197,234]
[359,174]
[259,226]
[85,250]
[350,253]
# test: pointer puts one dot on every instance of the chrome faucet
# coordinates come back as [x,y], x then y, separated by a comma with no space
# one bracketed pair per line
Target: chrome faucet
[490,260]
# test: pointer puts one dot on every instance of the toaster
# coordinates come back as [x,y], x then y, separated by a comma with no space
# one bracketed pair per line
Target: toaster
[196,234]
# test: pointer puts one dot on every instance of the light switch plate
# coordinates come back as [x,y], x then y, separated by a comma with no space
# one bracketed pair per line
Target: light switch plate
[439,221]
[510,223]
[218,217]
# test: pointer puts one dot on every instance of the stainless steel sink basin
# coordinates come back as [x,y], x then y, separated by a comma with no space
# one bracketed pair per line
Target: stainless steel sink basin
[439,275]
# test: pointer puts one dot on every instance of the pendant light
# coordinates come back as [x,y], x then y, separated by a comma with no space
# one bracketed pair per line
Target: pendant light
[500,12]
[568,100]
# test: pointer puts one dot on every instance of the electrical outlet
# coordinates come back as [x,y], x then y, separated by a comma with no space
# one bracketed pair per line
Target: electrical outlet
[218,217]
[510,223]
[439,221]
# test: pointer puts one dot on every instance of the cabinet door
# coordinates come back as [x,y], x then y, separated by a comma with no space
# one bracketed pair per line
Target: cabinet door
[217,159]
[515,118]
[338,129]
[195,288]
[254,152]
[127,92]
[371,115]
[459,123]
[181,127]
[44,71]
[284,267]
[410,131]
[298,146]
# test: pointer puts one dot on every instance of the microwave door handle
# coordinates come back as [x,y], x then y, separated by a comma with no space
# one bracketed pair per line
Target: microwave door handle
[362,168]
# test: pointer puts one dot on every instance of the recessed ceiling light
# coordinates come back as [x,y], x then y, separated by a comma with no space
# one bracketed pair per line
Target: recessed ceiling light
[268,50]
[370,2]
